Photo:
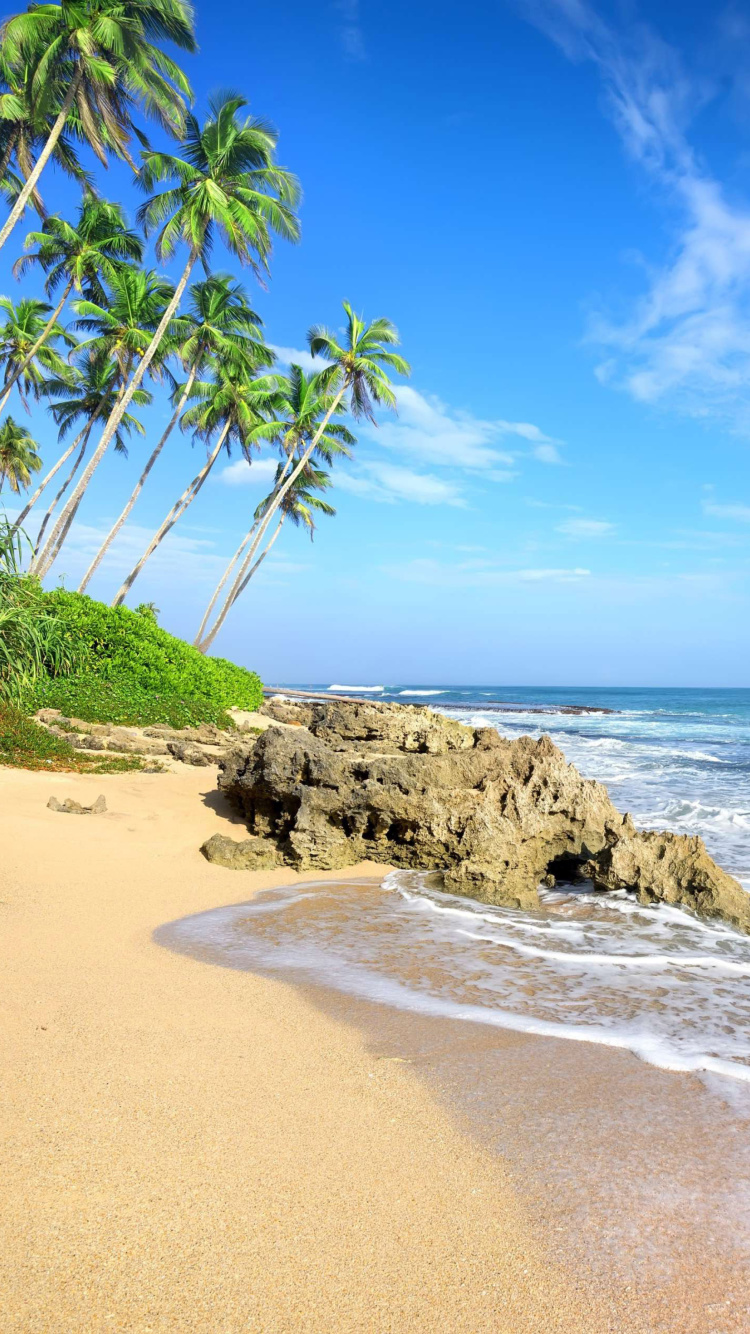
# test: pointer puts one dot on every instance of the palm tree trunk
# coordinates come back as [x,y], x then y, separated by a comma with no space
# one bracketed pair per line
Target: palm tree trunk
[7,155]
[43,159]
[114,530]
[84,438]
[205,645]
[41,340]
[217,591]
[276,500]
[176,512]
[58,536]
[31,503]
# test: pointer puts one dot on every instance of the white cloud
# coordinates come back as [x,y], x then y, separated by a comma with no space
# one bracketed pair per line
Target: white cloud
[350,30]
[241,473]
[387,483]
[471,575]
[585,528]
[299,356]
[686,342]
[740,512]
[428,430]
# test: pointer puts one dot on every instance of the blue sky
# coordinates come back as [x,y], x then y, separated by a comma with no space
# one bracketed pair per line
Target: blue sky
[551,200]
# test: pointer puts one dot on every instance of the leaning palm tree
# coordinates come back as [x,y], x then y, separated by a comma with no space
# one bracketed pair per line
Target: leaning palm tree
[299,506]
[19,456]
[227,408]
[105,50]
[226,182]
[82,256]
[26,353]
[303,400]
[27,107]
[219,324]
[97,386]
[121,329]
[356,373]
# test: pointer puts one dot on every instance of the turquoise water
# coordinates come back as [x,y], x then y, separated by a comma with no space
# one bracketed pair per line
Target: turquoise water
[677,759]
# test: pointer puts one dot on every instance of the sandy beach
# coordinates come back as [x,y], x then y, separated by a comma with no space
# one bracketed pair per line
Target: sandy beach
[189,1148]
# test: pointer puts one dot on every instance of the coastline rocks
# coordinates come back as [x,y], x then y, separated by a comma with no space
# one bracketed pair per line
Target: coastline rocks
[71,807]
[252,854]
[402,785]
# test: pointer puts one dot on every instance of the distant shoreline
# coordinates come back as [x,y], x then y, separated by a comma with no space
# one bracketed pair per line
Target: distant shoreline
[270,691]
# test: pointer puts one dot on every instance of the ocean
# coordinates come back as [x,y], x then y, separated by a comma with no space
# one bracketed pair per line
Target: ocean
[585,967]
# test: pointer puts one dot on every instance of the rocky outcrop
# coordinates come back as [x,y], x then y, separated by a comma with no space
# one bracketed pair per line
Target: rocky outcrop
[71,807]
[159,745]
[251,854]
[403,785]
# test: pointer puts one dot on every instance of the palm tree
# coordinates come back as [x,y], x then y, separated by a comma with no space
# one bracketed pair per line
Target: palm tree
[81,256]
[227,181]
[104,51]
[19,456]
[219,324]
[27,354]
[121,329]
[300,506]
[25,112]
[98,383]
[356,372]
[231,404]
[302,401]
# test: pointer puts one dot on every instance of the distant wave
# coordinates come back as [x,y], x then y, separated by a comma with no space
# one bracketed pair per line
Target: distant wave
[357,690]
[421,692]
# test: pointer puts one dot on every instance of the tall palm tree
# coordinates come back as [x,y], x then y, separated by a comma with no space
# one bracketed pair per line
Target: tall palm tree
[106,51]
[220,324]
[98,383]
[26,109]
[121,329]
[27,355]
[81,256]
[300,505]
[226,182]
[19,456]
[227,407]
[356,373]
[303,400]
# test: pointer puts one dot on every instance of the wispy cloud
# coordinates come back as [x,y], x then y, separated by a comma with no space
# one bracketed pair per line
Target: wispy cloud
[585,527]
[350,29]
[476,575]
[300,356]
[427,429]
[738,512]
[686,343]
[260,472]
[389,484]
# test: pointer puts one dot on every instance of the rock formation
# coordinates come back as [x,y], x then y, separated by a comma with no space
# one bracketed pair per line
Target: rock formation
[71,807]
[403,785]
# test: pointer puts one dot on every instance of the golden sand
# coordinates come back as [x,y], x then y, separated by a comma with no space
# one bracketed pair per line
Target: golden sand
[191,1148]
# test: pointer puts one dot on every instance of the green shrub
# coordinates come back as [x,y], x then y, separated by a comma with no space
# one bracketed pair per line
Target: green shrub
[26,745]
[128,665]
[120,700]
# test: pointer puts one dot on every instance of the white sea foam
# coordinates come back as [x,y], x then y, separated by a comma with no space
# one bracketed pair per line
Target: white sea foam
[359,690]
[421,692]
[656,981]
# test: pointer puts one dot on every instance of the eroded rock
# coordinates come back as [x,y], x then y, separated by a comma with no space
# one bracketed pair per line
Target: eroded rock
[71,807]
[400,784]
[251,854]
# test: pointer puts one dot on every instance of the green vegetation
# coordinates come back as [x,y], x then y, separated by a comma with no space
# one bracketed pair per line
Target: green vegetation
[128,670]
[81,74]
[26,745]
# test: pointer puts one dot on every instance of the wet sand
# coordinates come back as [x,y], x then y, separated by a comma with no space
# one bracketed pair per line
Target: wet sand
[187,1147]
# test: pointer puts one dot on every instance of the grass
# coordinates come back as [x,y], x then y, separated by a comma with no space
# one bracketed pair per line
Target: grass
[26,745]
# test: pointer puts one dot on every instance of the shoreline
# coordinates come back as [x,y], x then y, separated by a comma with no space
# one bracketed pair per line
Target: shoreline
[187,1147]
[194,1147]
